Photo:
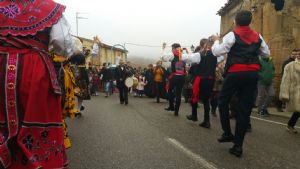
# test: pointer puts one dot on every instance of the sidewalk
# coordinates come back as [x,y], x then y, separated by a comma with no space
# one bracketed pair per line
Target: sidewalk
[273,111]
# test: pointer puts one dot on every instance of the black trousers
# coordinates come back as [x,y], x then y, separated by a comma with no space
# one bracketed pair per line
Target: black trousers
[214,102]
[293,120]
[206,87]
[176,85]
[123,93]
[243,84]
[159,90]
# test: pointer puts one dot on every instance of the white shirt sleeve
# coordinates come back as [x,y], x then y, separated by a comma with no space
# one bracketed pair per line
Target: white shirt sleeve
[61,39]
[220,59]
[95,49]
[167,56]
[221,49]
[264,48]
[191,58]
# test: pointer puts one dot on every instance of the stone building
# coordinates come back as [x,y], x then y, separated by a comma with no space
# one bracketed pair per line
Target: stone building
[277,20]
[107,54]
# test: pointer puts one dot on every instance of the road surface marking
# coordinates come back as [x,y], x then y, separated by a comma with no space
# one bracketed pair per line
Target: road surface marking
[196,157]
[270,121]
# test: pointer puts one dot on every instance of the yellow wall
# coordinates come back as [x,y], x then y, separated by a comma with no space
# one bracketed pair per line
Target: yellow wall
[106,55]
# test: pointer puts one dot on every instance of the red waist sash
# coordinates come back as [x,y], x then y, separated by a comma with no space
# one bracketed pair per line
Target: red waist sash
[244,68]
[196,88]
[170,77]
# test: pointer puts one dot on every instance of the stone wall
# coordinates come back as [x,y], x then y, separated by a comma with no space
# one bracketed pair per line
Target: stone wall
[280,29]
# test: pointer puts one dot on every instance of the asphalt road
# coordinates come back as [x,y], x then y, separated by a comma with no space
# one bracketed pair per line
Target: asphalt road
[142,135]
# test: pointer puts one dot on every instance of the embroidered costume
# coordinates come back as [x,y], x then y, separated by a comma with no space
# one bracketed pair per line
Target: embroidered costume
[31,133]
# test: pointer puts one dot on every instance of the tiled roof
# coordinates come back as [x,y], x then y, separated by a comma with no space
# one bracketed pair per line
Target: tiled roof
[103,45]
[229,5]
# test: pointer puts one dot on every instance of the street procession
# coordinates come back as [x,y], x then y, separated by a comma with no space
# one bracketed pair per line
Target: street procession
[136,84]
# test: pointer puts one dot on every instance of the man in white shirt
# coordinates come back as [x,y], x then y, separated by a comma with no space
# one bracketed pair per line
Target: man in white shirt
[176,79]
[243,46]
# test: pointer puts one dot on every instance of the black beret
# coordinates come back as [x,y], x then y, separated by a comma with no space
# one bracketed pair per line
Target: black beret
[175,45]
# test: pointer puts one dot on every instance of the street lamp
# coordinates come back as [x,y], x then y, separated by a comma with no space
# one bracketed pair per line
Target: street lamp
[78,17]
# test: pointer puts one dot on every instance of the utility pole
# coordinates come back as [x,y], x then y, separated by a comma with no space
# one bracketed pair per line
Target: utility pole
[78,17]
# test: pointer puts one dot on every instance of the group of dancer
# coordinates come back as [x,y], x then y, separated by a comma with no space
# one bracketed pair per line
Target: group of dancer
[229,72]
[234,63]
[222,74]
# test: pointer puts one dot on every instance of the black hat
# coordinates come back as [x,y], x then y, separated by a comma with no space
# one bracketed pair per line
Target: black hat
[175,45]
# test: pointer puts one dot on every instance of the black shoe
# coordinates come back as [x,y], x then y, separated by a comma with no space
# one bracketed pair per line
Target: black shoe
[236,150]
[205,125]
[226,138]
[126,103]
[82,108]
[169,109]
[176,113]
[121,102]
[192,118]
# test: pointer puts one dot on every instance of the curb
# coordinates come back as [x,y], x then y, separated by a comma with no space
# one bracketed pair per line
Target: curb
[275,113]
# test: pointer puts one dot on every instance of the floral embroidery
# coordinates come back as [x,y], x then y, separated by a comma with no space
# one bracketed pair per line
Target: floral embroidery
[46,157]
[28,142]
[34,158]
[10,11]
[44,134]
[24,160]
[32,19]
[2,139]
[41,143]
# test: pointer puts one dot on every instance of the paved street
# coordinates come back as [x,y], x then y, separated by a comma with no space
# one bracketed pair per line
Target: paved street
[144,136]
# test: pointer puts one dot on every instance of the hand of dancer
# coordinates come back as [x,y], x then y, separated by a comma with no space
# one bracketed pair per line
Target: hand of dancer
[186,50]
[164,45]
[215,37]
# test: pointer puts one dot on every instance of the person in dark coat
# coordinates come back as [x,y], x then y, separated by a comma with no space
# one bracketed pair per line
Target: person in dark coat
[122,72]
[149,77]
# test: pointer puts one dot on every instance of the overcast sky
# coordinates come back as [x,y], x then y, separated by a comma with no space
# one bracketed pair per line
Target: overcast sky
[148,22]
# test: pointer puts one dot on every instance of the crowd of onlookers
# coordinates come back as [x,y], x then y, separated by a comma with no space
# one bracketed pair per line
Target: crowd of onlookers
[102,79]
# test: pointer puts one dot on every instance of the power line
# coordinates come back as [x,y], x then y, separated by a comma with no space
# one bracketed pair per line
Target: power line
[142,45]
[150,46]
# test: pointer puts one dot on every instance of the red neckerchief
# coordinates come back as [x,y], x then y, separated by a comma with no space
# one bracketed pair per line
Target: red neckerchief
[177,53]
[247,35]
[28,17]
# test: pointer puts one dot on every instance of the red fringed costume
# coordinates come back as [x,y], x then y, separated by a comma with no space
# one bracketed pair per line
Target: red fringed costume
[31,133]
